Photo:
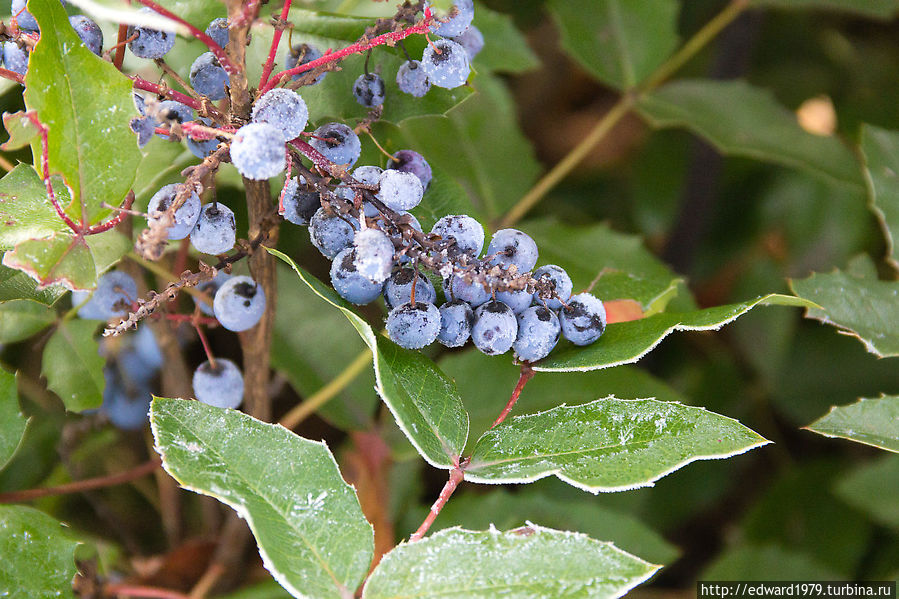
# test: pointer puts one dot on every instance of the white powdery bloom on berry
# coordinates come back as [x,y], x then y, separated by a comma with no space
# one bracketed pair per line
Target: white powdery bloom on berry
[284,109]
[399,190]
[374,255]
[258,151]
[446,63]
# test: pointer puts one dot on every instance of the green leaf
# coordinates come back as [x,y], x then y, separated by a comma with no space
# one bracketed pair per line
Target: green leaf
[20,319]
[422,399]
[25,210]
[873,488]
[627,342]
[86,103]
[307,521]
[197,12]
[531,561]
[620,42]
[857,304]
[880,150]
[505,48]
[38,554]
[59,259]
[869,421]
[875,9]
[73,367]
[606,445]
[742,120]
[766,562]
[15,284]
[12,423]
[22,131]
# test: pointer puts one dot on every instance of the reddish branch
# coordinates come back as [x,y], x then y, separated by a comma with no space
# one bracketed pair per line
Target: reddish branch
[131,590]
[115,220]
[279,30]
[45,173]
[7,74]
[456,477]
[120,47]
[162,90]
[82,485]
[527,373]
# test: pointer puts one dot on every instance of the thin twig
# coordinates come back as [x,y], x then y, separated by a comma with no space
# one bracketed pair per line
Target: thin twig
[527,373]
[79,486]
[132,590]
[279,30]
[456,476]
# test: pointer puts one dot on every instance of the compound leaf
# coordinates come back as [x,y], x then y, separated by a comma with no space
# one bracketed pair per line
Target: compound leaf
[307,521]
[22,318]
[73,367]
[606,445]
[627,342]
[880,149]
[38,554]
[531,561]
[869,421]
[423,400]
[875,9]
[619,41]
[25,210]
[12,423]
[15,284]
[22,131]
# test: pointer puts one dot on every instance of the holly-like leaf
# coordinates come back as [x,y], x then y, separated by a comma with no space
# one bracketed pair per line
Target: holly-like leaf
[22,318]
[307,520]
[875,9]
[15,284]
[742,120]
[38,554]
[869,421]
[880,149]
[423,400]
[73,366]
[25,210]
[531,561]
[627,342]
[619,41]
[21,129]
[606,445]
[12,423]
[505,48]
[86,104]
[873,488]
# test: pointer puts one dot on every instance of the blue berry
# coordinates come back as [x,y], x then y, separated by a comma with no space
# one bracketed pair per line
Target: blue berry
[519,300]
[125,404]
[258,151]
[584,320]
[414,326]
[367,175]
[538,333]
[331,234]
[15,57]
[210,288]
[300,202]
[215,231]
[398,288]
[139,103]
[495,328]
[446,64]
[399,190]
[239,303]
[115,293]
[173,112]
[147,348]
[458,21]
[369,90]
[468,233]
[302,54]
[410,161]
[24,19]
[456,320]
[218,31]
[472,40]
[338,143]
[511,246]
[208,77]
[201,148]
[150,43]
[89,32]
[455,287]
[139,357]
[349,284]
[284,109]
[412,79]
[374,254]
[185,217]
[221,386]
[558,283]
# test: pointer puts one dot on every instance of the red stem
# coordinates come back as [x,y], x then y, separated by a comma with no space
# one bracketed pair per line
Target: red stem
[114,221]
[270,63]
[169,93]
[200,35]
[456,477]
[206,347]
[120,47]
[390,37]
[527,373]
[7,74]
[317,158]
[45,167]
[82,485]
[139,591]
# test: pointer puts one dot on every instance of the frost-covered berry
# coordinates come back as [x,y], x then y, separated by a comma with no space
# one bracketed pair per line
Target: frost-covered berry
[519,300]
[398,288]
[338,143]
[115,293]
[170,112]
[511,246]
[455,287]
[410,161]
[210,288]
[125,404]
[208,77]
[89,32]
[331,234]
[538,333]
[150,43]
[446,64]
[185,217]
[456,320]
[374,254]
[24,19]
[221,386]
[472,40]
[456,21]
[15,57]
[215,231]
[239,303]
[369,90]
[300,203]
[138,355]
[558,283]
[367,175]
[495,328]
[300,55]
[584,320]
[258,151]
[468,233]
[348,283]
[201,148]
[414,326]
[284,109]
[399,190]
[412,79]
[218,31]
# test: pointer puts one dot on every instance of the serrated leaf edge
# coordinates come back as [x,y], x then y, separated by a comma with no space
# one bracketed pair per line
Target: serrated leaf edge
[860,400]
